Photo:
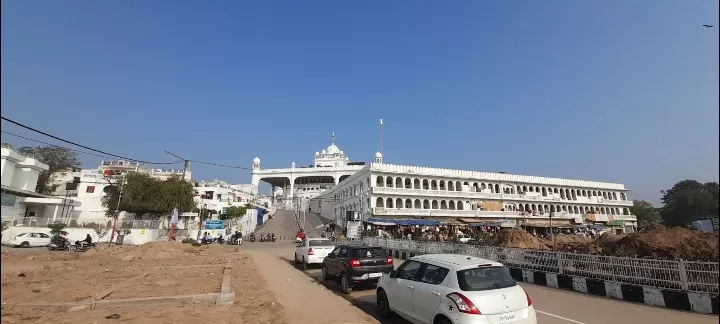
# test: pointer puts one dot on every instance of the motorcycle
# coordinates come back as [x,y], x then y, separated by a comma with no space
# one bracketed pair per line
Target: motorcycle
[252,238]
[262,238]
[218,240]
[273,238]
[60,244]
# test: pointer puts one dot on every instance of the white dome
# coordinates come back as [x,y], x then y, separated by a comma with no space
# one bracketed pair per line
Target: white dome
[378,155]
[317,153]
[332,149]
[323,151]
[256,160]
[341,152]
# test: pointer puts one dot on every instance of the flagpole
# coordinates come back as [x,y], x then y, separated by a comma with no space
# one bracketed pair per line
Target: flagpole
[381,139]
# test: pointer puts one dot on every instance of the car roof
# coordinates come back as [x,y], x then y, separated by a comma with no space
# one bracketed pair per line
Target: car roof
[316,239]
[456,261]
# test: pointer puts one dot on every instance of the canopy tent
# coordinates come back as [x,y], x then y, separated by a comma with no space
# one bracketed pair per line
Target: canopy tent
[597,227]
[403,222]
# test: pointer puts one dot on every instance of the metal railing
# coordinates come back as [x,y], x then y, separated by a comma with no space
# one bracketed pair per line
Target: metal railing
[691,276]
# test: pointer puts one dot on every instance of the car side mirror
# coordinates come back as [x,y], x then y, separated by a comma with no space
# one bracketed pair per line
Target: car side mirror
[393,274]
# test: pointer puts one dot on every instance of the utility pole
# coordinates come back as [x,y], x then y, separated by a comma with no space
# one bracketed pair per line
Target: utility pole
[186,166]
[121,182]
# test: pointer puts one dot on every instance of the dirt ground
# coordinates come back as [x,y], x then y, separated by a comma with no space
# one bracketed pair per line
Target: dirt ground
[655,242]
[73,277]
[267,289]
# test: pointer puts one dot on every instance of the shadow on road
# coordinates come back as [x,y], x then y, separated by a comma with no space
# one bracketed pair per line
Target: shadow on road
[362,297]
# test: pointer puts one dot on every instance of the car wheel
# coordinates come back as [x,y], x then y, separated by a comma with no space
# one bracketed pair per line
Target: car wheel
[25,244]
[345,284]
[325,275]
[443,321]
[383,307]
[304,264]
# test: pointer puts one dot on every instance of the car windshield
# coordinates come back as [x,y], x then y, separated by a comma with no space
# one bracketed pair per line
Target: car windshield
[320,243]
[369,253]
[21,235]
[486,278]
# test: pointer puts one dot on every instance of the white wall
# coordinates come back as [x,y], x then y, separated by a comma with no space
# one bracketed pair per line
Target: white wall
[136,236]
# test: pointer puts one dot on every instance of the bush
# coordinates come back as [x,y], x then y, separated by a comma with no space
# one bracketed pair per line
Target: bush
[57,228]
[190,241]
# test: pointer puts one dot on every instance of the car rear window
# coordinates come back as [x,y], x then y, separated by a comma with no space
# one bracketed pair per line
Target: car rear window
[320,243]
[21,235]
[485,278]
[369,253]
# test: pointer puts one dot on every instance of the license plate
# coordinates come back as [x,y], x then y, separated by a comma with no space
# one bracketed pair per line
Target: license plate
[375,275]
[506,318]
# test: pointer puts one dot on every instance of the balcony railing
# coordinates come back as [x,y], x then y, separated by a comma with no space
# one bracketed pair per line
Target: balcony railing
[487,195]
[383,211]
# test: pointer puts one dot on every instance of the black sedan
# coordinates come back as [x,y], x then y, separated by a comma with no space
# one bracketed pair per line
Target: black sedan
[354,265]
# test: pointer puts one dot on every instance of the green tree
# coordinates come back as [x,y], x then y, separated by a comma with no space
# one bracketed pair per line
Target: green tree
[689,200]
[57,228]
[646,213]
[145,195]
[56,158]
[234,211]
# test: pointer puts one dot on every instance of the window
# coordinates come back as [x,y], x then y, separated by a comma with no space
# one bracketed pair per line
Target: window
[43,235]
[343,252]
[434,275]
[487,278]
[320,243]
[369,253]
[90,189]
[409,270]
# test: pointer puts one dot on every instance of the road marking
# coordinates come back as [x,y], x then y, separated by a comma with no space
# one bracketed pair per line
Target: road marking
[560,317]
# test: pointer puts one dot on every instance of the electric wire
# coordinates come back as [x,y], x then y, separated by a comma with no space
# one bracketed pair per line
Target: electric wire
[80,145]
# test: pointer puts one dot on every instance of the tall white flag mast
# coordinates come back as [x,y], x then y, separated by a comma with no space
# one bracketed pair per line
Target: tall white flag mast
[381,139]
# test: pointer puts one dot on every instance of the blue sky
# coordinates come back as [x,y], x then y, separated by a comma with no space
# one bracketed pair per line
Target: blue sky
[599,90]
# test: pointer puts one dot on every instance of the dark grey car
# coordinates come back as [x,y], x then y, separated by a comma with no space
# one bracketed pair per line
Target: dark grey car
[355,265]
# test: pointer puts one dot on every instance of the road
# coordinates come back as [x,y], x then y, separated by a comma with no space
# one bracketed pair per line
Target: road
[284,225]
[552,306]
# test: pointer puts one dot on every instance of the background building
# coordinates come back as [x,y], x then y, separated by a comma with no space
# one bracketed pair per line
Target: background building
[411,192]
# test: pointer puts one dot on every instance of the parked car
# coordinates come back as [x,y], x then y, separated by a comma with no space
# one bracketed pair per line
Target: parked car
[354,265]
[453,289]
[312,251]
[30,239]
[462,238]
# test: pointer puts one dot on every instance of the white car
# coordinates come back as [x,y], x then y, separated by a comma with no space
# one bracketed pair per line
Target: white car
[30,239]
[312,251]
[453,289]
[462,238]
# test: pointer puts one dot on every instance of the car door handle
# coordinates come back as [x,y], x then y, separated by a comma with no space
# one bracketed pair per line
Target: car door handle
[411,287]
[436,293]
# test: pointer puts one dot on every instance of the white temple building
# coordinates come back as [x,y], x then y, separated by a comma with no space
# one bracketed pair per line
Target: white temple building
[332,187]
[299,183]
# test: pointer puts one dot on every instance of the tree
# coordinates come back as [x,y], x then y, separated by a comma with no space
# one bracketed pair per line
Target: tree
[646,213]
[689,200]
[56,158]
[57,228]
[145,195]
[234,211]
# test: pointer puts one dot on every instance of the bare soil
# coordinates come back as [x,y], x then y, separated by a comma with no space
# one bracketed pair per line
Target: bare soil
[654,242]
[72,277]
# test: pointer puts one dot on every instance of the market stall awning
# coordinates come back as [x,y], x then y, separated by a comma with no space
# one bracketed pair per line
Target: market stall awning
[403,222]
[380,222]
[597,227]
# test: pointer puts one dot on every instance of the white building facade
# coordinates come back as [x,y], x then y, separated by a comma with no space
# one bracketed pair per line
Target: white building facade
[391,191]
[298,184]
[21,205]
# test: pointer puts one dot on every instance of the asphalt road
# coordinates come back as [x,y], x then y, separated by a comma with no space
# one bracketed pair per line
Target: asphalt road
[552,306]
